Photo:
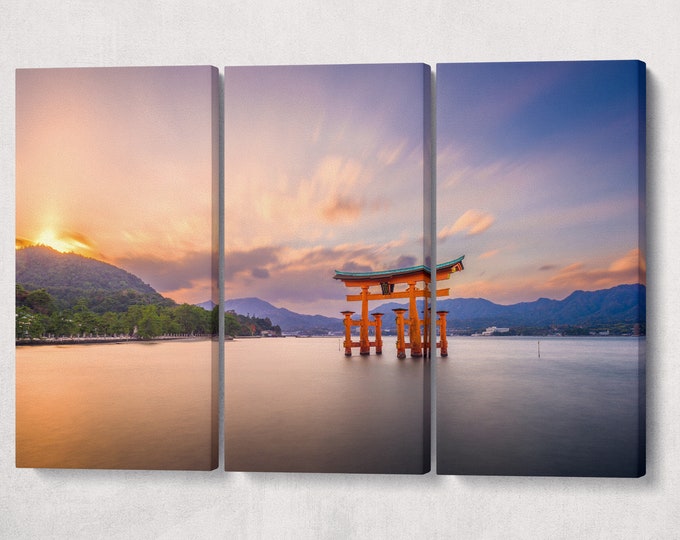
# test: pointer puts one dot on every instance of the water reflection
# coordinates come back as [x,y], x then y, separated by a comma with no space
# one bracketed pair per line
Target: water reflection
[127,406]
[301,405]
[574,411]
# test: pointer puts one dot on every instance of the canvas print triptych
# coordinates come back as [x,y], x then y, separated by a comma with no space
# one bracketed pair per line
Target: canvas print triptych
[384,250]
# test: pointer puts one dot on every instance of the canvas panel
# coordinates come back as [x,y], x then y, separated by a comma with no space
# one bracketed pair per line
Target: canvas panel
[117,251]
[540,183]
[326,169]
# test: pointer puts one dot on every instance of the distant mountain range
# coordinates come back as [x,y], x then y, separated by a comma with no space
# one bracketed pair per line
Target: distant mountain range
[621,304]
[289,321]
[69,277]
[208,305]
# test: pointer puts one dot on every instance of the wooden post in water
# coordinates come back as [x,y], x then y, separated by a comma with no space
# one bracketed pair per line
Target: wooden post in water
[348,332]
[378,332]
[441,323]
[364,343]
[401,345]
[414,322]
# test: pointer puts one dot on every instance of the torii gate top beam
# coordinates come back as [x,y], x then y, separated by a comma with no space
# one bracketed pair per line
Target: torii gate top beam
[400,275]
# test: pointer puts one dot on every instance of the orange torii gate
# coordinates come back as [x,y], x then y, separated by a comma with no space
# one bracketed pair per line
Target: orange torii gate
[418,341]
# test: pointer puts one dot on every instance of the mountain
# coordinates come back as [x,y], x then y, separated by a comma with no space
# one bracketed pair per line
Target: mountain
[620,304]
[208,305]
[289,321]
[69,277]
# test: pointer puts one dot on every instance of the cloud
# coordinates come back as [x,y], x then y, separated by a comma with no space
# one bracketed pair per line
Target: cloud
[260,273]
[303,277]
[577,276]
[630,261]
[352,266]
[342,208]
[388,155]
[504,292]
[22,242]
[166,275]
[252,262]
[405,261]
[471,223]
[63,240]
[489,254]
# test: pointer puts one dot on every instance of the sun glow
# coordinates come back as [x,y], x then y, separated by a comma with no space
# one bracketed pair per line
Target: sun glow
[63,242]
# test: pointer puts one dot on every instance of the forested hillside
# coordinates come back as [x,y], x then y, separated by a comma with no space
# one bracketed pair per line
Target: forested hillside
[67,295]
[70,278]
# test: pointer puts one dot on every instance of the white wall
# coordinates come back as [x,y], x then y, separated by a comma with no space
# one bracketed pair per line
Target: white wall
[90,504]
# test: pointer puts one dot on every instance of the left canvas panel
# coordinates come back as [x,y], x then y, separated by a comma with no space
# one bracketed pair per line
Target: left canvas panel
[117,173]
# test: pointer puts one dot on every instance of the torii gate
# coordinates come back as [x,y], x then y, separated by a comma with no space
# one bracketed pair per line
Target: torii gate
[418,342]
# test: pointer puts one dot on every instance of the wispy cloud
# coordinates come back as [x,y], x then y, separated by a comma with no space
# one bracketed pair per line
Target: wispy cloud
[472,222]
[625,269]
[489,254]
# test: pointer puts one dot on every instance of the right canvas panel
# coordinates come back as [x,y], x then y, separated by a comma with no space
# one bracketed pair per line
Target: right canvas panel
[540,183]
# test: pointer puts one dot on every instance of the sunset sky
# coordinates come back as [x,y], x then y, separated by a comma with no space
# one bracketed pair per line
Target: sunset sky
[323,171]
[537,171]
[117,164]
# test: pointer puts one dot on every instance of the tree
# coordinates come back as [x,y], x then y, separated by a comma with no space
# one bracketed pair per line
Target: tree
[232,326]
[61,324]
[28,324]
[40,301]
[149,325]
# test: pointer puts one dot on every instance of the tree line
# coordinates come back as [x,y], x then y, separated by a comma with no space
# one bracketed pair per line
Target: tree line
[39,315]
[247,325]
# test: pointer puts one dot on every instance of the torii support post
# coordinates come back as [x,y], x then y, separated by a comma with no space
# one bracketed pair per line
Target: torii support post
[348,332]
[378,332]
[364,343]
[441,323]
[414,323]
[401,344]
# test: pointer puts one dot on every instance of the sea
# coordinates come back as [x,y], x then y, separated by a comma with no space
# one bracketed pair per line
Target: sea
[301,405]
[140,405]
[556,406]
[504,406]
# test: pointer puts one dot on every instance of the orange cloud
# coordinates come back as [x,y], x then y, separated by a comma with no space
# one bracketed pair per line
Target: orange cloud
[64,241]
[471,223]
[489,254]
[632,260]
[626,269]
[498,291]
[22,243]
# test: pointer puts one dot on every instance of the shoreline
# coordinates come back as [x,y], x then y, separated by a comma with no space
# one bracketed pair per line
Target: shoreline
[107,339]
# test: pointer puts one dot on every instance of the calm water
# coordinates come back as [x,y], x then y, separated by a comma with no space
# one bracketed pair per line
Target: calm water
[124,406]
[301,405]
[574,411]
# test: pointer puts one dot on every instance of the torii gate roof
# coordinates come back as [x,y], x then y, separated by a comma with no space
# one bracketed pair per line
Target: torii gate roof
[420,272]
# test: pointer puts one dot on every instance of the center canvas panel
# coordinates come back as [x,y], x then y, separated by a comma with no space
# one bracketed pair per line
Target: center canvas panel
[327,170]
